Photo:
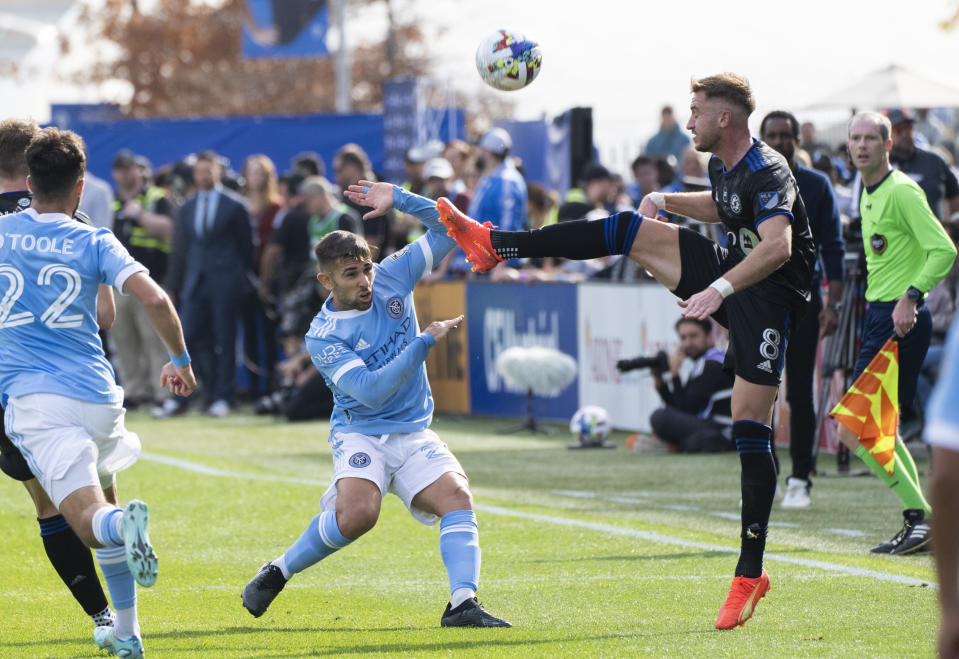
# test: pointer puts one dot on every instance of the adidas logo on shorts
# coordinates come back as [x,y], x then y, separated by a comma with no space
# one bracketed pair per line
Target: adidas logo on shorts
[765,366]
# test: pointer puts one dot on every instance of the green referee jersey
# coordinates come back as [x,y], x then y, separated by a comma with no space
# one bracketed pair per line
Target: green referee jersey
[905,243]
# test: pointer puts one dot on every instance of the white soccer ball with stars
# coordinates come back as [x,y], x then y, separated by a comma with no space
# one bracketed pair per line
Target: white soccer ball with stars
[590,425]
[507,60]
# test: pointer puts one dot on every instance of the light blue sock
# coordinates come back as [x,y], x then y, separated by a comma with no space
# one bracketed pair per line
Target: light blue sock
[122,587]
[320,539]
[106,526]
[459,546]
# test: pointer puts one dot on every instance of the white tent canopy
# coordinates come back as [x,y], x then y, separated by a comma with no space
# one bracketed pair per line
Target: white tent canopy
[891,87]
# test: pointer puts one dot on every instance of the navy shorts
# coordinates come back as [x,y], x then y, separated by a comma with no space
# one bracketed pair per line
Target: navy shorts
[11,460]
[758,326]
[877,328]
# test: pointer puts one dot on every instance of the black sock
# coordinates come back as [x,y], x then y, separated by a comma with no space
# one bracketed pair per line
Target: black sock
[578,240]
[73,562]
[758,489]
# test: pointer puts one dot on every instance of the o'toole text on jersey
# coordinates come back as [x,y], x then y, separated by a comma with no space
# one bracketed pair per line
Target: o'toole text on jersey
[26,242]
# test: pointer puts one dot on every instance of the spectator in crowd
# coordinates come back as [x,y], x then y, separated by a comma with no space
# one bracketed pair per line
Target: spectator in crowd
[97,201]
[924,166]
[670,140]
[780,130]
[501,193]
[307,164]
[458,154]
[143,223]
[809,141]
[439,177]
[302,394]
[645,178]
[541,206]
[930,128]
[260,187]
[595,193]
[211,270]
[695,417]
[413,162]
[350,165]
[327,213]
[692,168]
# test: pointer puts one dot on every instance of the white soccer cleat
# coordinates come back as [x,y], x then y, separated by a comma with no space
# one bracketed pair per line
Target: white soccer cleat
[141,558]
[797,494]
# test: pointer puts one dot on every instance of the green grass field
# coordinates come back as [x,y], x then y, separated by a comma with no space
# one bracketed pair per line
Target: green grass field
[588,553]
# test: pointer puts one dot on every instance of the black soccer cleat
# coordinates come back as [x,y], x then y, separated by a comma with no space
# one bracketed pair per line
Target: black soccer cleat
[918,538]
[263,589]
[470,614]
[914,528]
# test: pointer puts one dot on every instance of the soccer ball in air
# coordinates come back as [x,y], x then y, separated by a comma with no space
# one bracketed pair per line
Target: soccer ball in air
[590,425]
[507,60]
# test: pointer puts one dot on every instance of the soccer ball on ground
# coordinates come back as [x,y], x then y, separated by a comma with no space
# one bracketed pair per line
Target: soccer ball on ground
[590,426]
[507,60]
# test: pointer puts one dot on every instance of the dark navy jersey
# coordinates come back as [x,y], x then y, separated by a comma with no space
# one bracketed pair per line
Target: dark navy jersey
[14,202]
[759,186]
[932,173]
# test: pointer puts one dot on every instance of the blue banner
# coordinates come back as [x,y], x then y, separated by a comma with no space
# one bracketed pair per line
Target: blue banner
[502,315]
[285,28]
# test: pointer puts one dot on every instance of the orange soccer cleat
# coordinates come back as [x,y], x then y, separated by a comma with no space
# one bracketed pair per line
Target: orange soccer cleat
[469,234]
[743,596]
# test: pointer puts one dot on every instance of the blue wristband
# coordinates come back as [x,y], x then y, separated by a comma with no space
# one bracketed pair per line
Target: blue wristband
[181,360]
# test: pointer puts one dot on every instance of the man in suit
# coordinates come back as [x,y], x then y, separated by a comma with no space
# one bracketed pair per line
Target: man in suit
[210,269]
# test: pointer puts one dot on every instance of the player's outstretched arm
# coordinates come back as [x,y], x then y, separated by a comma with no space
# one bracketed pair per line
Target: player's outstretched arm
[372,388]
[381,197]
[179,379]
[696,205]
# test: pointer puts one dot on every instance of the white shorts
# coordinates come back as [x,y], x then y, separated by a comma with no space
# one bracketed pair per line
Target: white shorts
[70,443]
[402,463]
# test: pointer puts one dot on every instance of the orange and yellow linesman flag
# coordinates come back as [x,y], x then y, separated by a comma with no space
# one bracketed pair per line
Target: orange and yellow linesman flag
[871,406]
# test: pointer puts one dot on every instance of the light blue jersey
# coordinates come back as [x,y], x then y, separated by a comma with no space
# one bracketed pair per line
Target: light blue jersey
[50,267]
[373,360]
[942,413]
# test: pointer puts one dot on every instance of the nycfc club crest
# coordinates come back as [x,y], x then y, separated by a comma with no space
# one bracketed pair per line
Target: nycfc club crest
[878,243]
[734,204]
[359,460]
[394,306]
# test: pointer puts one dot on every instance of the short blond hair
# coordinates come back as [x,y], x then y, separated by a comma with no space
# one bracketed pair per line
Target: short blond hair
[730,87]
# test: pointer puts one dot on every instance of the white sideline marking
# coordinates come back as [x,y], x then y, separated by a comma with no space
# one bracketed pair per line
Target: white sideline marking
[852,533]
[669,540]
[210,471]
[593,526]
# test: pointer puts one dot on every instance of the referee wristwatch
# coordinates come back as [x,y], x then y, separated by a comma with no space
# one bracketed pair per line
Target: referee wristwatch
[914,294]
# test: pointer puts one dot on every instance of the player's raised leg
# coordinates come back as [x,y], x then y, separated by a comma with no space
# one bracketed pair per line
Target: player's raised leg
[450,499]
[357,509]
[652,244]
[752,408]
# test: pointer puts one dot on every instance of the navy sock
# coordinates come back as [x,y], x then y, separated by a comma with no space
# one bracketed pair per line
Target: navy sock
[758,489]
[73,562]
[577,240]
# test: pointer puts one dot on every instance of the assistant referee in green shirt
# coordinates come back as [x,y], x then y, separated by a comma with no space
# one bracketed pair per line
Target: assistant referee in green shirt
[907,253]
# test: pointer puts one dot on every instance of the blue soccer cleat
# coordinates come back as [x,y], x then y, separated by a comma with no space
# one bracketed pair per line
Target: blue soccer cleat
[106,639]
[141,559]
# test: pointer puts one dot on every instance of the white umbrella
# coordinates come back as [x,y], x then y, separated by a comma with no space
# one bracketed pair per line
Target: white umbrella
[892,87]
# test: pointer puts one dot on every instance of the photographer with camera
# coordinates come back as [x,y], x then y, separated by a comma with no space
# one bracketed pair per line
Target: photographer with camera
[695,413]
